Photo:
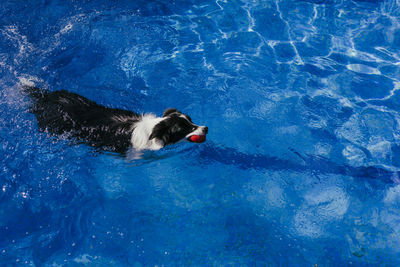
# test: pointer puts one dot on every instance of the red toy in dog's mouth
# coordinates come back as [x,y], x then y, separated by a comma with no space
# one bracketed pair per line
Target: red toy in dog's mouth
[197,138]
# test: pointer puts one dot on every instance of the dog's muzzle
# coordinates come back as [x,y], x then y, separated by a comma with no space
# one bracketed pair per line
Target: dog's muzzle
[199,135]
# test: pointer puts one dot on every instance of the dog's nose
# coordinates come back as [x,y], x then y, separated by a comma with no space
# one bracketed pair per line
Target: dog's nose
[206,129]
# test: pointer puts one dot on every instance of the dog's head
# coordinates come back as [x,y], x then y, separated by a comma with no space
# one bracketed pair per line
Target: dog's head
[176,126]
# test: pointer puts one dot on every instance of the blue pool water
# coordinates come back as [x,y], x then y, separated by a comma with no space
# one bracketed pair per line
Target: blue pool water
[301,165]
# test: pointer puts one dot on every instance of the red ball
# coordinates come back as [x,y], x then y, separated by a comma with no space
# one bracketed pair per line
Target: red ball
[198,138]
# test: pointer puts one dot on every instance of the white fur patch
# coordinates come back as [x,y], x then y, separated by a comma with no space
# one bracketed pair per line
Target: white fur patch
[143,129]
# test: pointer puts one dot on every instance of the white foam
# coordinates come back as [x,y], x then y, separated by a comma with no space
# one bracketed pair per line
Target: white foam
[354,155]
[331,203]
[67,28]
[380,149]
[265,195]
[322,149]
[392,195]
[317,123]
[351,130]
[306,225]
[320,208]
[364,69]
[275,196]
[20,41]
[291,130]
[84,259]
[28,80]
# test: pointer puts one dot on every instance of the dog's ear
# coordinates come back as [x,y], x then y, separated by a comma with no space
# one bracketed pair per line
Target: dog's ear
[170,111]
[160,131]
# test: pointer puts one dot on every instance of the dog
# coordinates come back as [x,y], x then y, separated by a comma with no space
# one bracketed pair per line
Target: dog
[110,129]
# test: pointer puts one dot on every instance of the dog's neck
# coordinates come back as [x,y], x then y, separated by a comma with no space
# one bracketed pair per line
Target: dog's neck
[142,131]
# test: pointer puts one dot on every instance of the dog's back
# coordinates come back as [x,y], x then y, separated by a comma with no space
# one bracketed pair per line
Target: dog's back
[62,112]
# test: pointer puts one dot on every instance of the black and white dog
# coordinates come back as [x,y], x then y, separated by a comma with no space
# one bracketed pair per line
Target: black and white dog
[111,129]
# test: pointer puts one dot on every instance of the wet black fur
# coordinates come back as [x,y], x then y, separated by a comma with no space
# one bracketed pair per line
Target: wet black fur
[63,112]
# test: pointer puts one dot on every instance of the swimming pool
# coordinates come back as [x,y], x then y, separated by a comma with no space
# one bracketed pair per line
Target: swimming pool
[302,158]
